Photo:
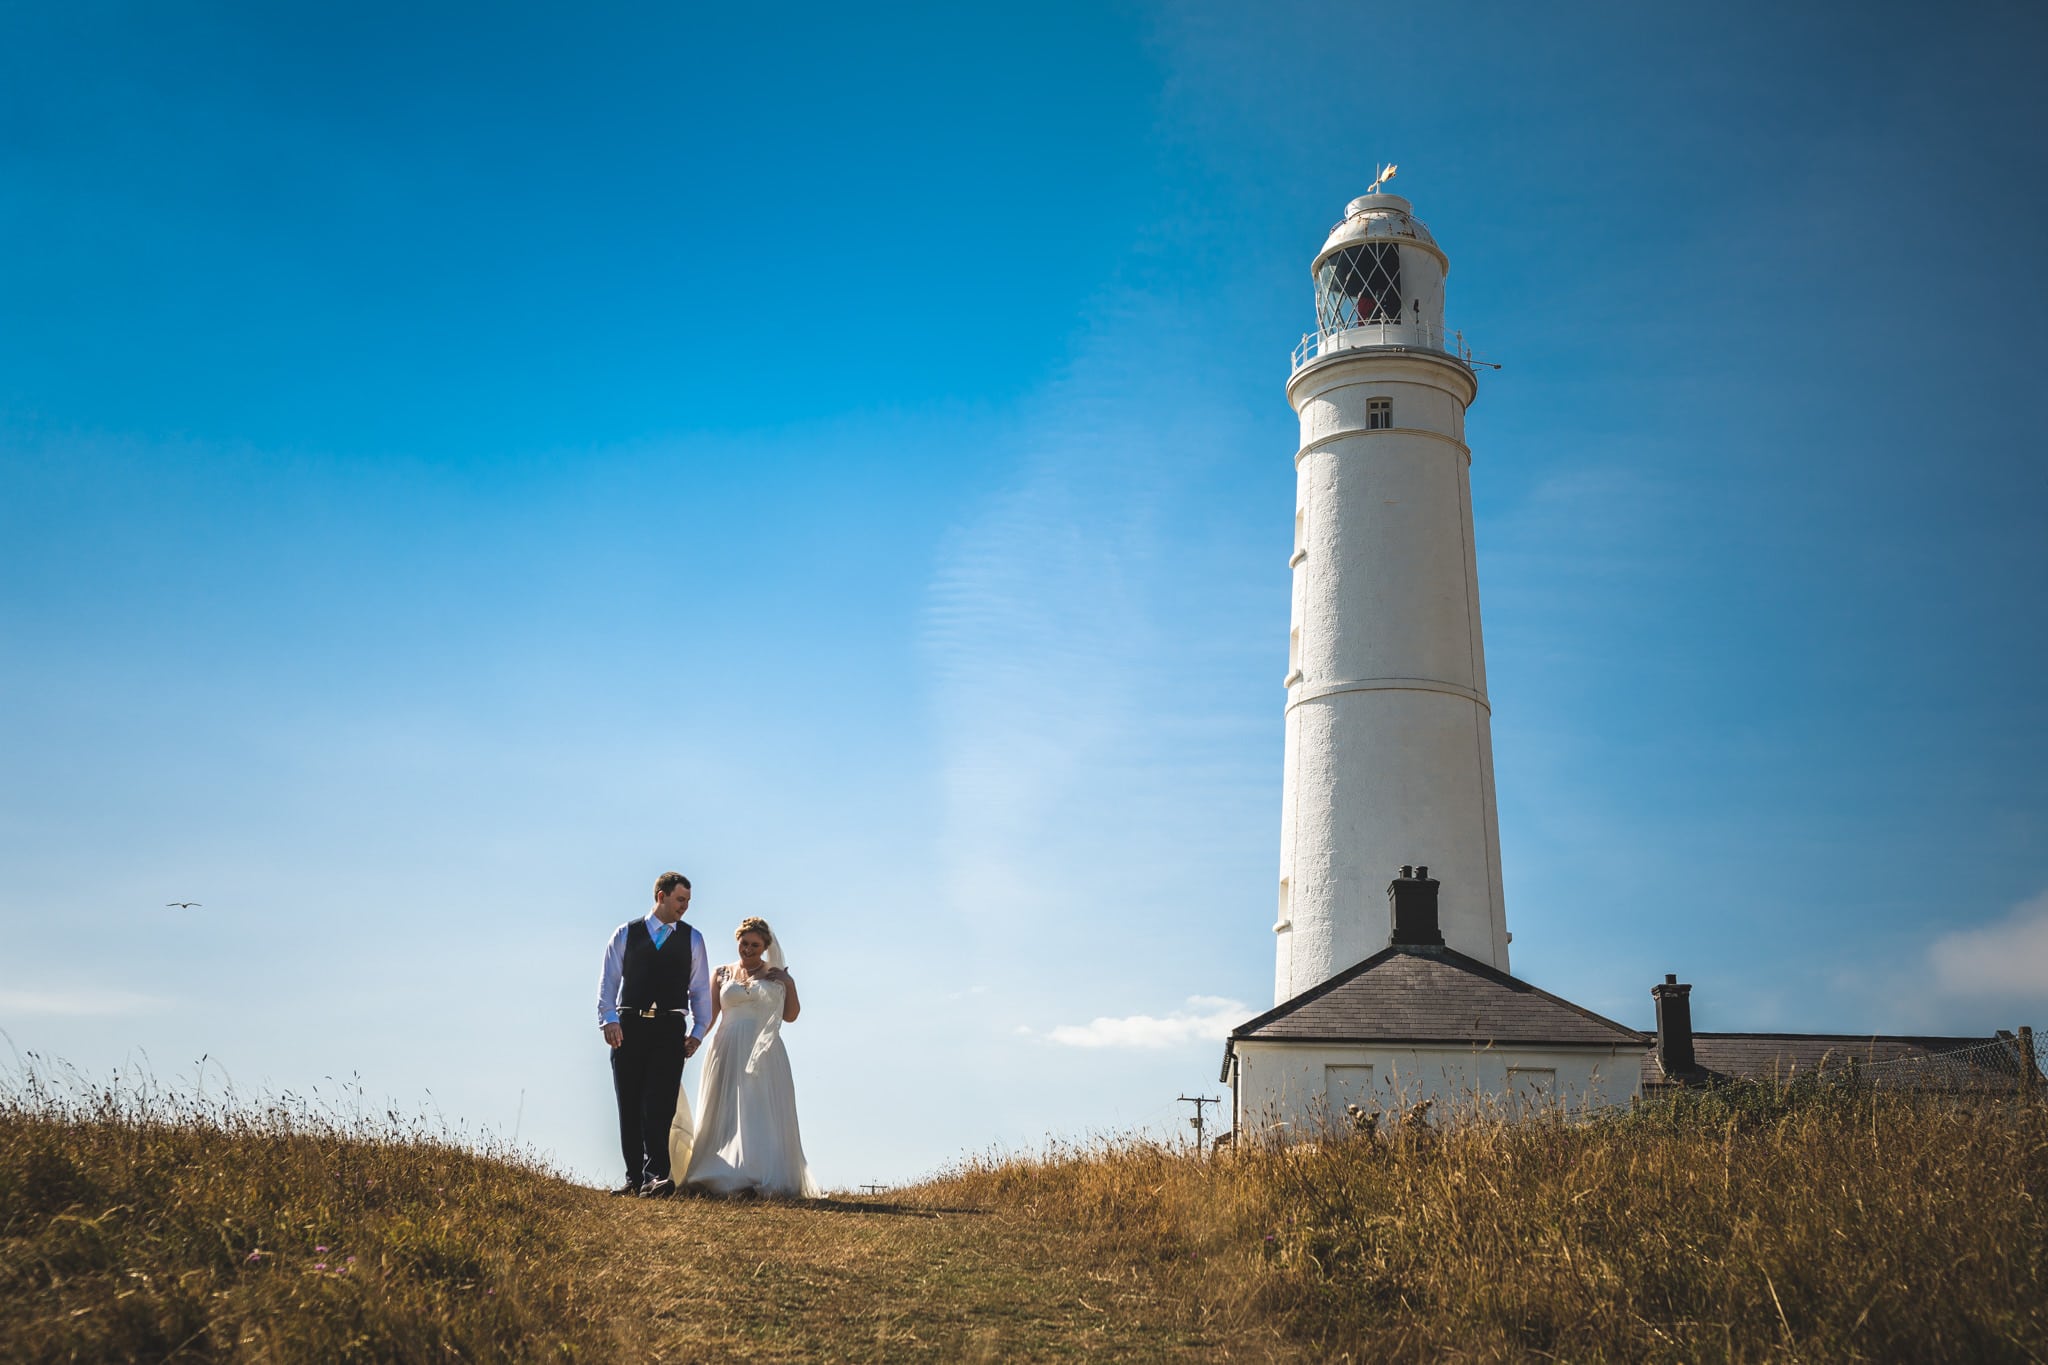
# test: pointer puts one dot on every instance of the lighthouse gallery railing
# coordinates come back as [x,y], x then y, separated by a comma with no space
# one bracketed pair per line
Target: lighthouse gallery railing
[1409,335]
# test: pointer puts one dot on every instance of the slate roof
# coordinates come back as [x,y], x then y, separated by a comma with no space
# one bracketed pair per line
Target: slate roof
[1410,993]
[1414,994]
[1781,1056]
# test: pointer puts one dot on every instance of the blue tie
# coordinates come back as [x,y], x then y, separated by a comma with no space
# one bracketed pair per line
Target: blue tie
[661,933]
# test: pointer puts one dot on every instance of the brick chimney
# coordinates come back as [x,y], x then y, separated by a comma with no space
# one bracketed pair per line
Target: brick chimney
[1674,1025]
[1412,896]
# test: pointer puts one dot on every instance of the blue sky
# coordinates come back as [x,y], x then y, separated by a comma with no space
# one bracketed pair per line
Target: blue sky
[456,466]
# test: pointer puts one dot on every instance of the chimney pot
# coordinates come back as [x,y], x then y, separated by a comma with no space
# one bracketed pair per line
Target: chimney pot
[1671,978]
[1406,870]
[1421,871]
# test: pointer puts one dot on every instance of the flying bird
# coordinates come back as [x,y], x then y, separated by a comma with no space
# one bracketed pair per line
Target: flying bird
[181,905]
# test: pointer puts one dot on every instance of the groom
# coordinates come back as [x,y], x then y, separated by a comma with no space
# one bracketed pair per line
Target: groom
[653,1003]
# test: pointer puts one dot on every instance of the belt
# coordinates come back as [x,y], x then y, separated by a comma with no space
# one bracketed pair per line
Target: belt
[651,1012]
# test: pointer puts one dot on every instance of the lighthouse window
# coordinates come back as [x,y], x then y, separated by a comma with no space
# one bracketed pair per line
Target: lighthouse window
[1379,414]
[1360,284]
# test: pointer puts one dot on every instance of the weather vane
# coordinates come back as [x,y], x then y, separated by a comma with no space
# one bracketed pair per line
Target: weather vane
[1386,174]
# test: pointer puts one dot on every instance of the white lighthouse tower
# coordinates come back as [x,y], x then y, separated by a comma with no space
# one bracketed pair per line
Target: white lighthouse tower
[1389,741]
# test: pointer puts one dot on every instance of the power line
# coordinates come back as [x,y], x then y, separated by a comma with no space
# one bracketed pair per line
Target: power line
[1196,1122]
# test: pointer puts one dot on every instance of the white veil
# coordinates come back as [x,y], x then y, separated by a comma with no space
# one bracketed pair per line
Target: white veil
[772,1029]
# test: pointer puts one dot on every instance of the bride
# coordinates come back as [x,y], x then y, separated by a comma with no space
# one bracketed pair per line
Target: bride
[745,1133]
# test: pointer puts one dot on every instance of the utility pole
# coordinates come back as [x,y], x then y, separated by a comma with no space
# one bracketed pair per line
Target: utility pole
[1196,1122]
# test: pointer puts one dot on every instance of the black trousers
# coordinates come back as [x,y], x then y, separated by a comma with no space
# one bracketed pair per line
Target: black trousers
[647,1069]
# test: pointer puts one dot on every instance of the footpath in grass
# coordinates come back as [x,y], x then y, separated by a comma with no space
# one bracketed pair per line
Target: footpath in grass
[875,1280]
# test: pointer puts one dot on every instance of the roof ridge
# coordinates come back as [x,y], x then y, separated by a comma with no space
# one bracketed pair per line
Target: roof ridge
[1452,958]
[1963,1038]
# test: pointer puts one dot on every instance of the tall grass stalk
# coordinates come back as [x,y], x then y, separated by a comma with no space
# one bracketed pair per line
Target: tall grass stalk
[1761,1224]
[139,1223]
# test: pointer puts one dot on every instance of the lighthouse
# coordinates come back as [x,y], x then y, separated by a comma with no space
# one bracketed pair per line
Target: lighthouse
[1392,991]
[1389,750]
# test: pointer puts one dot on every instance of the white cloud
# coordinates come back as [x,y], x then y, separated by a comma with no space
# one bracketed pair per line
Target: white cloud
[2007,958]
[75,1004]
[1206,1018]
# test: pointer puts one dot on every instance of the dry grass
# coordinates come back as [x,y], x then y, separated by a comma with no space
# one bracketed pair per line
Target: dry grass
[141,1225]
[1756,1225]
[134,1226]
[878,1280]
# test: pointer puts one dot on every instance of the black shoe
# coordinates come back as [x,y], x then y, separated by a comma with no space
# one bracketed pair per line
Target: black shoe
[630,1187]
[660,1187]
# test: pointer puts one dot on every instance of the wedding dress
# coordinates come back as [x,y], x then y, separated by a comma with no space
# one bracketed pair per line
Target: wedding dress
[744,1133]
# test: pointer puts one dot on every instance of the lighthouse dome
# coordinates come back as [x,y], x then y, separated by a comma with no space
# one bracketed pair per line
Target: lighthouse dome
[1379,216]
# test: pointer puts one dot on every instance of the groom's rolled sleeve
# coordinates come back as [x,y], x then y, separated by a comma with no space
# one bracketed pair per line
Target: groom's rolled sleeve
[608,982]
[700,987]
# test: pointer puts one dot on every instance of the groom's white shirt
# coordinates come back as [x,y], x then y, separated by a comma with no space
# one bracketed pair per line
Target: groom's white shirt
[615,971]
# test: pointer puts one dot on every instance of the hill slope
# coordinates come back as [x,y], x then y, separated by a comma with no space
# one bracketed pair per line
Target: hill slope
[136,1228]
[1823,1227]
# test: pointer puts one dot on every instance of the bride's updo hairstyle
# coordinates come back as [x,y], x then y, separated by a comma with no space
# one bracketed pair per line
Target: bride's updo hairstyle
[754,924]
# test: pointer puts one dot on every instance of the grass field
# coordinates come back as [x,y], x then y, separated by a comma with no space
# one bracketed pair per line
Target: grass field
[1765,1226]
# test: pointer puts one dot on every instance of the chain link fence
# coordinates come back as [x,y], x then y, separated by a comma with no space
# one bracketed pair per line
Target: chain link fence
[2003,1064]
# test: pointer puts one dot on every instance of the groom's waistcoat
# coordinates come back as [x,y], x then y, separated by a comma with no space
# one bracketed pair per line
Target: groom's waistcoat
[655,978]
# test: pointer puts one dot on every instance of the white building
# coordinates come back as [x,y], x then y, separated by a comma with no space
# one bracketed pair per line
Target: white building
[1422,1021]
[1389,741]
